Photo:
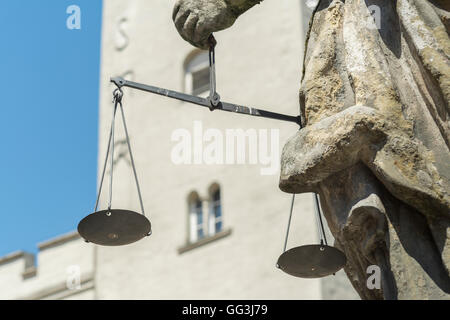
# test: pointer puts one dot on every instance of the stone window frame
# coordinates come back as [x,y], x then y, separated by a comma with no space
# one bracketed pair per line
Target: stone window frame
[211,234]
[196,64]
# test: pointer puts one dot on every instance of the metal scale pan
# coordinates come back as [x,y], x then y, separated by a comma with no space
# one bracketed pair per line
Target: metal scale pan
[311,261]
[114,227]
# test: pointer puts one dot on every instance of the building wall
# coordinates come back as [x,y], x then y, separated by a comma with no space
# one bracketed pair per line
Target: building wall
[259,64]
[58,262]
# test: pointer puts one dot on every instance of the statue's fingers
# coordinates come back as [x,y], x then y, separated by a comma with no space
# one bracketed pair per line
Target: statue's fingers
[201,35]
[180,19]
[189,27]
[176,8]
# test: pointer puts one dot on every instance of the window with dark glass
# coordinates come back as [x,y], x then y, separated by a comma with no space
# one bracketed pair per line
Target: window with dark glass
[196,220]
[200,81]
[215,217]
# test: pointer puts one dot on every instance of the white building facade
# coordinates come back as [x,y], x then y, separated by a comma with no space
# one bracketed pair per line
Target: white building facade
[218,225]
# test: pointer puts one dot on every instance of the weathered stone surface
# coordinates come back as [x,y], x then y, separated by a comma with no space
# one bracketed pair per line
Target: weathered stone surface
[376,137]
[387,138]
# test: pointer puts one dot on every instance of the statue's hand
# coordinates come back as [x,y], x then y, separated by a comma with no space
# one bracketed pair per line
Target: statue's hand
[196,20]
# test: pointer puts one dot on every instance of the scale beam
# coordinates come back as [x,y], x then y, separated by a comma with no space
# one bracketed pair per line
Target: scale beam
[205,102]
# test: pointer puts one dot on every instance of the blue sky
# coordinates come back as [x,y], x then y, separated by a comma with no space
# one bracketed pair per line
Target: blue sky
[49,116]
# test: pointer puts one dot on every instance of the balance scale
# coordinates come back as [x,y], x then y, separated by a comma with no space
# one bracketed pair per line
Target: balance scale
[117,227]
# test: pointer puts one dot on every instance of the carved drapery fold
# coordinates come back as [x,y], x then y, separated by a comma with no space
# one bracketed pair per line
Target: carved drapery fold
[375,105]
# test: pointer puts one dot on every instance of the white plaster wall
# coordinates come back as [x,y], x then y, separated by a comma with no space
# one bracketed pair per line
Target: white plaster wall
[11,278]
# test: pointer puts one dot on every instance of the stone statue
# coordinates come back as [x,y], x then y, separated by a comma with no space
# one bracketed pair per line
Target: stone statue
[374,101]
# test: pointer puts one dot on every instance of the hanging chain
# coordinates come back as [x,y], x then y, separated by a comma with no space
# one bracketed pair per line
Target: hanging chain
[103,173]
[320,227]
[111,138]
[323,238]
[118,94]
[289,223]
[131,157]
[290,212]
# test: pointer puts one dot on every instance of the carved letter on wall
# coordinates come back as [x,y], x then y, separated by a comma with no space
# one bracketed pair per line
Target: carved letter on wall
[122,39]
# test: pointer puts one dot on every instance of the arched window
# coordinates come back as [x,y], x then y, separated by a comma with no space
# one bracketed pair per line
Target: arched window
[196,230]
[205,219]
[215,217]
[196,69]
